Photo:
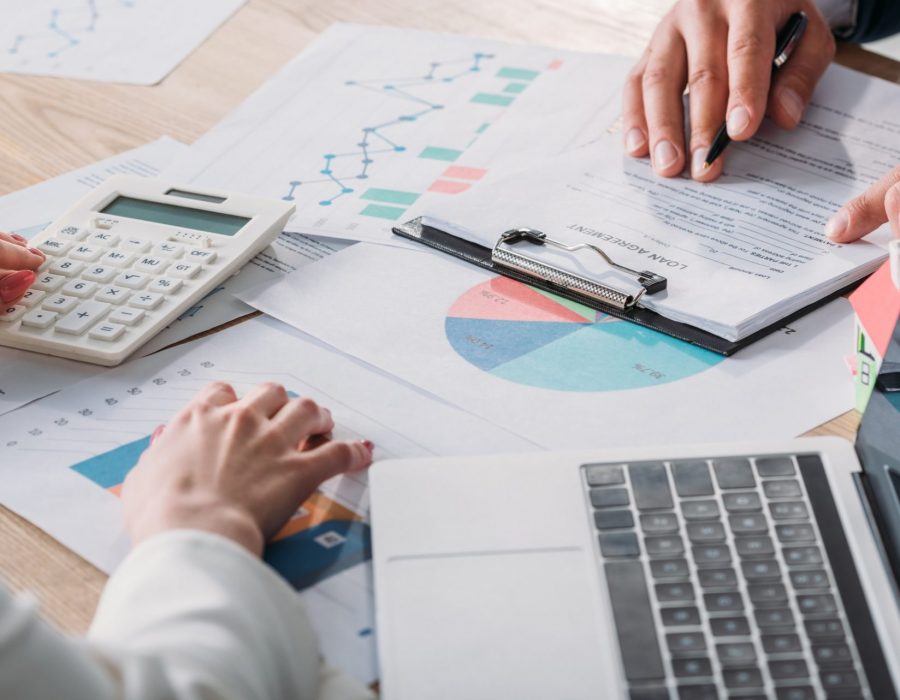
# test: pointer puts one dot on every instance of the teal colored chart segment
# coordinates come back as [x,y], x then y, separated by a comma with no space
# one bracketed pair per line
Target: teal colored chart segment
[533,338]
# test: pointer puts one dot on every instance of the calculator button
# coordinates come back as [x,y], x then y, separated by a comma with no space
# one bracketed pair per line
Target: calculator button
[84,251]
[100,273]
[107,331]
[132,280]
[146,300]
[168,250]
[32,297]
[104,223]
[165,285]
[113,295]
[60,303]
[66,267]
[39,318]
[185,270]
[104,238]
[85,315]
[150,264]
[117,258]
[126,315]
[54,246]
[79,288]
[136,244]
[12,313]
[49,283]
[202,256]
[72,233]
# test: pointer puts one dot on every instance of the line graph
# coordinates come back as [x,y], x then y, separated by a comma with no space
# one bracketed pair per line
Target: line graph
[342,170]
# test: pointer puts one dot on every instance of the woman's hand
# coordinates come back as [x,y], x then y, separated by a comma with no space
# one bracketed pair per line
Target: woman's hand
[879,203]
[722,51]
[18,264]
[239,468]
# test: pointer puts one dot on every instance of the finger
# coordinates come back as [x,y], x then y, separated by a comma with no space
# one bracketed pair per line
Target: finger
[795,83]
[751,45]
[332,459]
[215,394]
[663,84]
[14,256]
[13,238]
[315,441]
[634,124]
[300,419]
[707,90]
[892,208]
[863,214]
[13,284]
[268,398]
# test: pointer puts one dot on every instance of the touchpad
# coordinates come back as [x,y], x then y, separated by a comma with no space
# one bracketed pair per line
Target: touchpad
[495,625]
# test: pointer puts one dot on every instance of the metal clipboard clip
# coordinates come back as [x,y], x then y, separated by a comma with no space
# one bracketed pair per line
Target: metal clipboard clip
[504,256]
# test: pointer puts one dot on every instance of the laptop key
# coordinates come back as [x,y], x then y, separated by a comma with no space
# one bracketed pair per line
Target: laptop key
[782,669]
[802,556]
[712,555]
[604,474]
[801,532]
[698,692]
[810,579]
[742,678]
[609,498]
[748,523]
[680,617]
[839,682]
[766,594]
[774,466]
[796,692]
[821,604]
[692,479]
[670,546]
[761,570]
[734,473]
[736,655]
[700,510]
[756,546]
[685,642]
[730,626]
[789,510]
[717,578]
[650,484]
[670,569]
[659,523]
[723,602]
[824,629]
[781,643]
[613,519]
[657,693]
[774,617]
[829,656]
[782,488]
[619,544]
[675,592]
[742,502]
[692,668]
[635,626]
[705,532]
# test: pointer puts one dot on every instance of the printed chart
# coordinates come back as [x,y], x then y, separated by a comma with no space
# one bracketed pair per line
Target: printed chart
[535,338]
[132,41]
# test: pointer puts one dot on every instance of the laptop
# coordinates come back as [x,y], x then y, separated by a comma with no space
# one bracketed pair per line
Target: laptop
[719,571]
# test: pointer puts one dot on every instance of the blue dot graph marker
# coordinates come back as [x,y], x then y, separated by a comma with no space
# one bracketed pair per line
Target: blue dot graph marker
[374,141]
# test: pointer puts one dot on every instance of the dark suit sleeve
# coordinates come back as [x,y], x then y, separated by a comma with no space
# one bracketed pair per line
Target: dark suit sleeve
[875,19]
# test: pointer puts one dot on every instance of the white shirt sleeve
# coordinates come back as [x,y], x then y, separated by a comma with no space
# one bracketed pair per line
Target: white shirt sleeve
[187,616]
[840,14]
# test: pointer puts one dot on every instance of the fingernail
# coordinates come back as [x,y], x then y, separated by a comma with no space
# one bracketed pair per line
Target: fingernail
[635,140]
[15,285]
[664,155]
[20,239]
[738,121]
[698,162]
[37,252]
[156,433]
[369,445]
[792,104]
[837,225]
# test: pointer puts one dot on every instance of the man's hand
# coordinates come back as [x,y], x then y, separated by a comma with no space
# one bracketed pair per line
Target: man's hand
[879,203]
[722,51]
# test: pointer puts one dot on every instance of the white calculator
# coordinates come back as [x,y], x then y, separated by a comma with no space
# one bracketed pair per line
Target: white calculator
[128,259]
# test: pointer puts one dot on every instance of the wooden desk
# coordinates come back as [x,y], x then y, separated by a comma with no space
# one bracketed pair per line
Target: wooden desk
[50,126]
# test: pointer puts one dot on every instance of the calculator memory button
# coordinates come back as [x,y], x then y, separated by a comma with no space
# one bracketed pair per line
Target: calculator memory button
[66,267]
[117,258]
[132,280]
[9,314]
[126,316]
[39,318]
[60,303]
[79,288]
[54,246]
[185,270]
[100,273]
[87,252]
[85,315]
[137,245]
[49,283]
[107,331]
[113,295]
[165,285]
[146,300]
[32,297]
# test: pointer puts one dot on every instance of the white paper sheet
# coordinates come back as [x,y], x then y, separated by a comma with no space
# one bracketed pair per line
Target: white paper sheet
[369,123]
[124,41]
[25,376]
[101,426]
[739,253]
[564,375]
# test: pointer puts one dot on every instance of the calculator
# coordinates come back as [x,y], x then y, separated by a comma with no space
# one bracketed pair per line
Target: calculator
[130,258]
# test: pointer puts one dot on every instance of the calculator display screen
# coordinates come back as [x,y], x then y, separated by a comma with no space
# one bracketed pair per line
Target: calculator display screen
[183,217]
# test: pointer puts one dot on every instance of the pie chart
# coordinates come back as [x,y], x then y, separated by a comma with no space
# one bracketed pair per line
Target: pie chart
[535,338]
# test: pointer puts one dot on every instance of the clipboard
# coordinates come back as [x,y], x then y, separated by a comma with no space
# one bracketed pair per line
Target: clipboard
[509,258]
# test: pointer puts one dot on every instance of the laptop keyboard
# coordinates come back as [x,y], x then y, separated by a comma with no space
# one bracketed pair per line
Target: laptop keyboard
[719,582]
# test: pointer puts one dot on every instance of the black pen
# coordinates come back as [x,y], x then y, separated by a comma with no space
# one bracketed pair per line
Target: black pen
[785,43]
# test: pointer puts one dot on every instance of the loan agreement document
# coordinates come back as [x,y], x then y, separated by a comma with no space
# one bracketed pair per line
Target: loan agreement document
[739,253]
